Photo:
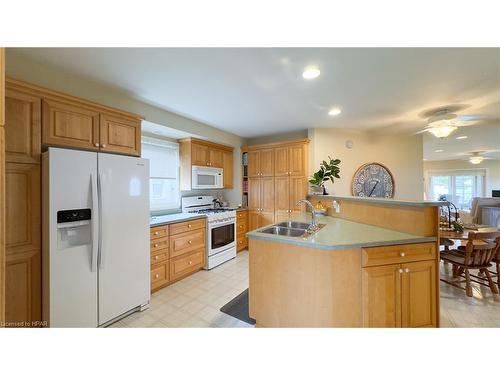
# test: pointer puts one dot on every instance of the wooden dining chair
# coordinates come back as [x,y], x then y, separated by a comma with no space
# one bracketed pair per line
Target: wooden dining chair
[481,249]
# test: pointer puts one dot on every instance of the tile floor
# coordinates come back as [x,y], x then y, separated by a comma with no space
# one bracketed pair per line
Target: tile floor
[195,301]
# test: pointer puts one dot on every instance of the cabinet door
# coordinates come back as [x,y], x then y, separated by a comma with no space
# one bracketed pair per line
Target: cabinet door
[22,127]
[381,293]
[267,162]
[199,155]
[23,288]
[281,216]
[215,157]
[254,193]
[267,194]
[281,161]
[266,218]
[227,164]
[22,208]
[282,198]
[253,220]
[253,163]
[69,125]
[298,190]
[120,135]
[418,294]
[297,160]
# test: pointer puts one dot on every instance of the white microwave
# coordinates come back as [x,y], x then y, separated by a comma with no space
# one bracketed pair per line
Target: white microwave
[207,178]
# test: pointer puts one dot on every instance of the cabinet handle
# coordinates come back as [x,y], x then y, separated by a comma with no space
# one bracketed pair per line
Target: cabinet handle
[96,144]
[156,245]
[157,276]
[241,226]
[190,242]
[156,233]
[156,257]
[189,225]
[402,254]
[190,262]
[240,241]
[407,270]
[103,145]
[400,270]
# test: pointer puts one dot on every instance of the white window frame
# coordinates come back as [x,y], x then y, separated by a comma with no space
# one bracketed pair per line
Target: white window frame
[157,206]
[480,172]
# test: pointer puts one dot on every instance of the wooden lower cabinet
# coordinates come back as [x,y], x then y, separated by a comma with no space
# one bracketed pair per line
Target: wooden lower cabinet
[241,230]
[257,219]
[400,295]
[177,250]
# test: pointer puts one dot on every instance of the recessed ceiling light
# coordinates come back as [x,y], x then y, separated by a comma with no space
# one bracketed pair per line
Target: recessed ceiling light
[462,137]
[438,150]
[335,111]
[311,72]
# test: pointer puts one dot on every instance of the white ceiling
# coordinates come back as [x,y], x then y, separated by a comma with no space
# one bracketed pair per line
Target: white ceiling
[256,92]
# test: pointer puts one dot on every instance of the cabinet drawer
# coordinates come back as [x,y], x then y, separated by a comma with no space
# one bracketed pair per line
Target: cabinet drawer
[159,275]
[159,244]
[185,264]
[186,226]
[241,242]
[185,242]
[241,227]
[376,256]
[157,232]
[241,215]
[159,256]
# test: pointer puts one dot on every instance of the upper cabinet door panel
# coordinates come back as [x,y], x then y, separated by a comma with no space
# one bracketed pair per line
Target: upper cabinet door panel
[253,163]
[254,193]
[69,125]
[267,194]
[281,198]
[199,155]
[297,160]
[22,127]
[227,164]
[267,162]
[281,161]
[120,135]
[298,190]
[215,157]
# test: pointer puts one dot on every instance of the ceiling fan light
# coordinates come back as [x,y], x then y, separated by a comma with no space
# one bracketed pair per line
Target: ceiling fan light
[442,131]
[476,159]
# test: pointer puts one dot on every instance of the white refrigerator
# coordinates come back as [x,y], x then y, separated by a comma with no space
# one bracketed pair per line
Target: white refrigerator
[96,256]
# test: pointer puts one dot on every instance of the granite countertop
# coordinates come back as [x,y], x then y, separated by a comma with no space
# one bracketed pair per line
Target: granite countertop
[391,201]
[339,234]
[173,218]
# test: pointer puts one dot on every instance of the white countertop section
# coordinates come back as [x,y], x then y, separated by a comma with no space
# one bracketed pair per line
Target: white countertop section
[339,234]
[173,218]
[382,201]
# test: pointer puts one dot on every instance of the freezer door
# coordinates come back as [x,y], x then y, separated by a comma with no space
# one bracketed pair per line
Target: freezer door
[124,258]
[70,238]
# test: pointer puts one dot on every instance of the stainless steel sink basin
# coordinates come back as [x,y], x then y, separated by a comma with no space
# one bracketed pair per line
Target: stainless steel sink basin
[293,224]
[282,231]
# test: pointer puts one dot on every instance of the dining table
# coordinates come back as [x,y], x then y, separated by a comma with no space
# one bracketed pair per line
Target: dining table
[450,237]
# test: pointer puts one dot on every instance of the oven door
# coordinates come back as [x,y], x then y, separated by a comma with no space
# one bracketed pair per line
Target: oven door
[221,236]
[207,178]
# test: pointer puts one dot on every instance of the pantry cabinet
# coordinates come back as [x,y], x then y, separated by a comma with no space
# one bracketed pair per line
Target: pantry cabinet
[197,152]
[402,294]
[261,201]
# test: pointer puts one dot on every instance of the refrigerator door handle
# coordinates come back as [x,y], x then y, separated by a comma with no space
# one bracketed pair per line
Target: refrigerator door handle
[95,221]
[101,220]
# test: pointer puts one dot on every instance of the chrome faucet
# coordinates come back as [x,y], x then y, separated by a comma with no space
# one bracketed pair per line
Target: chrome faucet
[313,225]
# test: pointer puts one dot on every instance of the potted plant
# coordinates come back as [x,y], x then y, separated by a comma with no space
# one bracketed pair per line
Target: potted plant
[328,171]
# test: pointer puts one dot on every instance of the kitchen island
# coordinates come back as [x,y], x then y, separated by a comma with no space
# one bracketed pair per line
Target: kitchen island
[373,264]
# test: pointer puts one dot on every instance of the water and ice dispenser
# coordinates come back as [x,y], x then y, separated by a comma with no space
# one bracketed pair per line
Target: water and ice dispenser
[73,228]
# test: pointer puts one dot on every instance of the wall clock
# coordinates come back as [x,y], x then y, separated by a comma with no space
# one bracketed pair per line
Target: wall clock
[373,180]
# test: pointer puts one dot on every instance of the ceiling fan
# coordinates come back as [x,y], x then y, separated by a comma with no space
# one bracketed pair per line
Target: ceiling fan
[443,121]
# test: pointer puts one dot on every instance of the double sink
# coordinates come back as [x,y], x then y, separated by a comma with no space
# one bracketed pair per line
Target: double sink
[292,229]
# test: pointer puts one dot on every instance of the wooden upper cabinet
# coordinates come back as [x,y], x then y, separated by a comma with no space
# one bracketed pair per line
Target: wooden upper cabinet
[22,127]
[199,155]
[419,295]
[297,160]
[298,190]
[69,125]
[267,162]
[254,193]
[381,297]
[253,163]
[282,196]
[281,161]
[120,135]
[227,165]
[267,194]
[215,157]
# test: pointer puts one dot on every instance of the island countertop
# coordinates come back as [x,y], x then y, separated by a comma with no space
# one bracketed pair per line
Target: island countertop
[340,234]
[388,201]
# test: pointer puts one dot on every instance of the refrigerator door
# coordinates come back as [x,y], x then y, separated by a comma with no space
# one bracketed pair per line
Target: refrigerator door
[124,258]
[70,238]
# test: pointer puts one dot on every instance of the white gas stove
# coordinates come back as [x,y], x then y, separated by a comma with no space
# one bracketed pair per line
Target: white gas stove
[221,228]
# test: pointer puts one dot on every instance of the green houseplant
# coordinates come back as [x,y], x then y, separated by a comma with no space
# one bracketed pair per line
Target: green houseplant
[328,171]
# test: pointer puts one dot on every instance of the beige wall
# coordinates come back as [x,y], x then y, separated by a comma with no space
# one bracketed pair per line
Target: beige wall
[402,155]
[19,67]
[492,170]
